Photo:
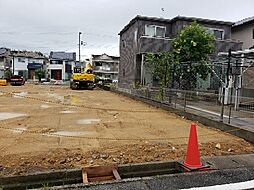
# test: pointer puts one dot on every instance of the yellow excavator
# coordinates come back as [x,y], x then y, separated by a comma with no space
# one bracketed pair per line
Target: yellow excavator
[83,78]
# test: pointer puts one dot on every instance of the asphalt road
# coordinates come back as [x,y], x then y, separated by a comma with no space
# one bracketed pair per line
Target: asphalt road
[177,181]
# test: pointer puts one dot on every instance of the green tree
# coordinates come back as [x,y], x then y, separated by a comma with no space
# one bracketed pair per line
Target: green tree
[191,49]
[160,65]
[7,74]
[39,73]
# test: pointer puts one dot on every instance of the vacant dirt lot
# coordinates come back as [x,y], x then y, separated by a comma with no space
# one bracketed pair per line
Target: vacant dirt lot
[52,127]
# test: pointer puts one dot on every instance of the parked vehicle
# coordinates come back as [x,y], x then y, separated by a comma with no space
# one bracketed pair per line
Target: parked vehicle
[17,80]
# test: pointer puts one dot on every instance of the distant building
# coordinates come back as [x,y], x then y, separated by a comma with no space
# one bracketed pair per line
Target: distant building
[240,79]
[244,31]
[105,67]
[150,34]
[25,63]
[5,60]
[61,65]
[22,63]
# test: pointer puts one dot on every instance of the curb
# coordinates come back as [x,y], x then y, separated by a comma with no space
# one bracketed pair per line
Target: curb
[231,129]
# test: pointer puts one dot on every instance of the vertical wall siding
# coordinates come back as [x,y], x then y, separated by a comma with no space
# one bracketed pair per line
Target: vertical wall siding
[127,57]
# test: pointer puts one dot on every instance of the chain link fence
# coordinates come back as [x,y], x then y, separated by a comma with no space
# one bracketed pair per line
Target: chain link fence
[224,91]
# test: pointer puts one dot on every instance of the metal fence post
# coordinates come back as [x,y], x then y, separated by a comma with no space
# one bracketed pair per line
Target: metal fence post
[230,107]
[185,101]
[225,86]
[175,98]
[222,104]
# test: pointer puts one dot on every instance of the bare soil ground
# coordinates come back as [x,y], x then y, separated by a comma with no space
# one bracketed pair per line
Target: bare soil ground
[59,128]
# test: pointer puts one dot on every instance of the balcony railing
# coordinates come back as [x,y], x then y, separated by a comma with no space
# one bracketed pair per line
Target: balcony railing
[156,45]
[225,45]
[105,70]
[153,44]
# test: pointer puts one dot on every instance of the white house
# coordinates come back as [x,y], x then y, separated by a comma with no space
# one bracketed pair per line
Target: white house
[25,63]
[61,65]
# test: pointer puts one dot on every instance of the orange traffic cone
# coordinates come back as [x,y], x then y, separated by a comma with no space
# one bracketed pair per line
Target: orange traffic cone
[192,161]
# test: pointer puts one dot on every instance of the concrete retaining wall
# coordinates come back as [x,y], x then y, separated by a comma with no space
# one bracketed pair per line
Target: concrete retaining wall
[234,130]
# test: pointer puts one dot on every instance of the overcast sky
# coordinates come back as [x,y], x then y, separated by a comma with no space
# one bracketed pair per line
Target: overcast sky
[53,25]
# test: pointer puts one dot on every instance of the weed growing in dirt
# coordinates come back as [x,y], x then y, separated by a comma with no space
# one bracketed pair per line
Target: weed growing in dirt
[46,186]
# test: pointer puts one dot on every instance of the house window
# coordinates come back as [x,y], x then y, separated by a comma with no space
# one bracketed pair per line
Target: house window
[150,30]
[56,62]
[218,33]
[98,64]
[123,72]
[155,31]
[20,73]
[124,43]
[21,59]
[160,31]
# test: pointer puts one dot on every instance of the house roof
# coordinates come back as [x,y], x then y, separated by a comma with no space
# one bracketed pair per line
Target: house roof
[139,17]
[2,51]
[5,52]
[61,55]
[29,54]
[209,21]
[244,21]
[163,20]
[104,55]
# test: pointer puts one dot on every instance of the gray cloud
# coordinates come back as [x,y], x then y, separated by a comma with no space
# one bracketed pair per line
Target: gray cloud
[46,25]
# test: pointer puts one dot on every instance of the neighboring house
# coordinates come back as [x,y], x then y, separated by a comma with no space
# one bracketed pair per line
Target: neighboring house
[105,67]
[61,65]
[5,60]
[241,81]
[150,34]
[25,63]
[244,31]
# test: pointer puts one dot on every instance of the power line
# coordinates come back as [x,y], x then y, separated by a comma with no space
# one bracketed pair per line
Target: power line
[59,33]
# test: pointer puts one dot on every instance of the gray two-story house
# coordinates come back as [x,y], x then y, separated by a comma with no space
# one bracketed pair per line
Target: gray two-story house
[243,30]
[150,34]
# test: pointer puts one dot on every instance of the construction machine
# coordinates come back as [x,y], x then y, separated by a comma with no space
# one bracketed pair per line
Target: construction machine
[83,78]
[3,82]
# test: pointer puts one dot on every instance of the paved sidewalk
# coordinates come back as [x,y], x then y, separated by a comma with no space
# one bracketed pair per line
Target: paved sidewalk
[243,120]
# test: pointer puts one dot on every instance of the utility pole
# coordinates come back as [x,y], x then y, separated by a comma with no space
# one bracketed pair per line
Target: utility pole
[79,43]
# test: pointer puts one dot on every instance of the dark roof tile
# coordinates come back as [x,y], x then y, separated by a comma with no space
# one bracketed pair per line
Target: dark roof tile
[158,19]
[244,21]
[60,55]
